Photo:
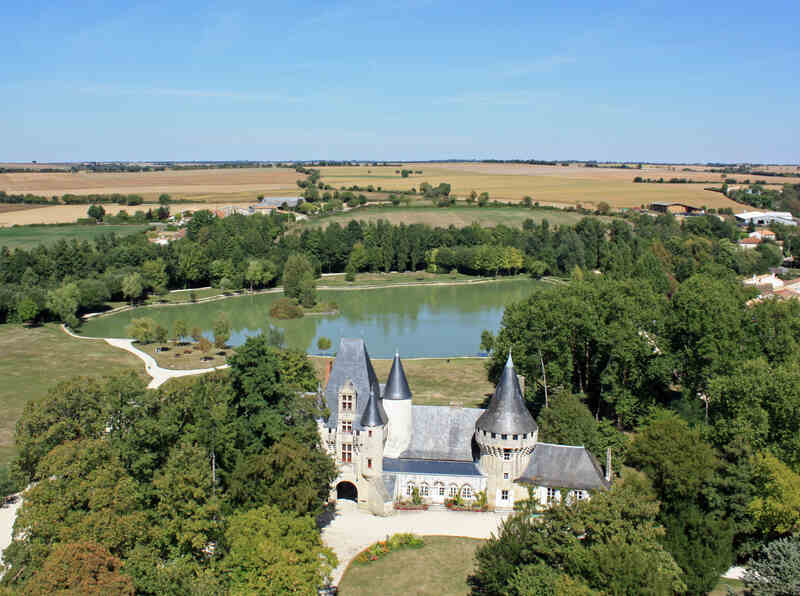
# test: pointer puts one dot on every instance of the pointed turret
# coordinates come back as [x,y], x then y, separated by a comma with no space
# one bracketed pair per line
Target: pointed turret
[397,385]
[507,413]
[374,414]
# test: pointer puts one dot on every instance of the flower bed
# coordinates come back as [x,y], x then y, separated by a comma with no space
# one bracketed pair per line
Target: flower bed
[460,505]
[410,507]
[384,547]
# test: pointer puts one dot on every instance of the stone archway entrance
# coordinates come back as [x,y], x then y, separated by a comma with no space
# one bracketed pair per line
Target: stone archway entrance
[346,490]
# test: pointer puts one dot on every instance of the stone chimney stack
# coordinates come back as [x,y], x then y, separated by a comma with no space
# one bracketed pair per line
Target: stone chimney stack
[328,369]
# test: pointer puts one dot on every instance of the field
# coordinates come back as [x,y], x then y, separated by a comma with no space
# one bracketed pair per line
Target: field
[50,214]
[440,567]
[549,185]
[460,216]
[435,381]
[35,359]
[30,236]
[242,184]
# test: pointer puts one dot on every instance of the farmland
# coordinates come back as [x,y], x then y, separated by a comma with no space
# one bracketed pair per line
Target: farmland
[30,236]
[51,214]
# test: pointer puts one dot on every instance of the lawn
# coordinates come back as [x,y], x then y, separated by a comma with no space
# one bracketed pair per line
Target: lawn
[441,567]
[435,381]
[35,359]
[459,216]
[30,236]
[395,278]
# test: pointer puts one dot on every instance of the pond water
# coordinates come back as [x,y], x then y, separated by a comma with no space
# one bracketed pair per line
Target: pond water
[420,321]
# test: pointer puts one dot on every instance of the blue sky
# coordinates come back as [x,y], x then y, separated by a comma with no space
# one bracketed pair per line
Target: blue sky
[671,81]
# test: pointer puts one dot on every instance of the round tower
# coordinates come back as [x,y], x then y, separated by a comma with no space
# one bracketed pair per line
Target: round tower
[372,437]
[397,403]
[506,434]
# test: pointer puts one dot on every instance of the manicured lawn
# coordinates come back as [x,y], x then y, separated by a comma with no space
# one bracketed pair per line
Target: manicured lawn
[437,381]
[407,277]
[30,236]
[439,568]
[35,359]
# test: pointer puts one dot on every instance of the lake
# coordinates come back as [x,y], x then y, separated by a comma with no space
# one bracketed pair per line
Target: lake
[419,321]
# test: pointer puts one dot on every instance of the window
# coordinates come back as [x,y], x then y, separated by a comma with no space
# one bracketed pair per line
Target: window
[347,453]
[441,491]
[369,434]
[579,495]
[507,454]
[424,490]
[347,402]
[515,437]
[504,495]
[505,475]
[524,435]
[552,495]
[466,492]
[494,436]
[369,463]
[504,437]
[347,426]
[453,492]
[409,489]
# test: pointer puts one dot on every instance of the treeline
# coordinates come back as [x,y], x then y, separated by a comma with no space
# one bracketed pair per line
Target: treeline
[640,180]
[699,392]
[743,169]
[65,279]
[208,486]
[787,199]
[70,199]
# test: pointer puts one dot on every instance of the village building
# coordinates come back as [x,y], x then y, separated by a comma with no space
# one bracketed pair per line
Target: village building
[676,208]
[387,449]
[765,218]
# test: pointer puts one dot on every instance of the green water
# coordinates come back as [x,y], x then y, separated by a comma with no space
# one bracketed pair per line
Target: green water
[421,321]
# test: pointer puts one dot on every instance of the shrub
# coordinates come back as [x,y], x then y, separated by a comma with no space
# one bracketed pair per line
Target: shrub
[324,343]
[392,543]
[285,308]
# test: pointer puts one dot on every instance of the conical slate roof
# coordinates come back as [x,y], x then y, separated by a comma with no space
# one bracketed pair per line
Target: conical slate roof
[507,413]
[397,385]
[352,364]
[374,414]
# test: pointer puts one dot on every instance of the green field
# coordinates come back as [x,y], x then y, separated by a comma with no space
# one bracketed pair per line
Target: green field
[35,359]
[459,216]
[441,567]
[30,236]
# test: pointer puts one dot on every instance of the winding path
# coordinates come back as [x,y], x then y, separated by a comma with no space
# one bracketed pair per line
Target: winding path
[158,375]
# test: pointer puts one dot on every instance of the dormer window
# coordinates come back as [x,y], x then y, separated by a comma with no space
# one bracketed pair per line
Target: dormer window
[347,402]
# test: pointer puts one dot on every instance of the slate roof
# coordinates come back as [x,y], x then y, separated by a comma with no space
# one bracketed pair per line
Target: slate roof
[353,363]
[429,467]
[442,433]
[563,466]
[507,413]
[374,414]
[397,384]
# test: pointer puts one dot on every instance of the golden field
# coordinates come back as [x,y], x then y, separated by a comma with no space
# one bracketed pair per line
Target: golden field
[36,214]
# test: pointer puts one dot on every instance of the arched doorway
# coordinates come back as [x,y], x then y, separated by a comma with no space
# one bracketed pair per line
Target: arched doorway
[346,490]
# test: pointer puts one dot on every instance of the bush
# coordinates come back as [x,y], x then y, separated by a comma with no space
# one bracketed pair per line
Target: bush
[285,308]
[324,343]
[392,543]
[8,484]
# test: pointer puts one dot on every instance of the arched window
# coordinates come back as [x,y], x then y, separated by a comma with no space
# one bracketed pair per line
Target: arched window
[453,491]
[466,492]
[438,489]
[409,489]
[424,490]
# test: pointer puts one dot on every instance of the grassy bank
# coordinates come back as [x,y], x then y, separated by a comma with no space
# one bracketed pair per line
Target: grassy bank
[30,236]
[440,567]
[35,359]
[435,381]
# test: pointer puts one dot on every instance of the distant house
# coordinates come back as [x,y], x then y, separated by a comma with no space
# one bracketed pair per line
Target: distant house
[762,234]
[749,243]
[269,203]
[765,218]
[676,208]
[771,286]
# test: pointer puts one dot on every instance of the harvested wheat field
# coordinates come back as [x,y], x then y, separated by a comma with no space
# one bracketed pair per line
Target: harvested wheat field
[549,185]
[235,184]
[70,213]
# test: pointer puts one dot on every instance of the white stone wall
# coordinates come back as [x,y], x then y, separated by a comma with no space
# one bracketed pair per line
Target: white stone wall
[434,482]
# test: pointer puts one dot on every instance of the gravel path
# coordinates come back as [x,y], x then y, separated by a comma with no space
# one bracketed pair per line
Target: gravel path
[351,531]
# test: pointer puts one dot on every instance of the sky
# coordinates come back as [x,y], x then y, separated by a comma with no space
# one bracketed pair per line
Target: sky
[647,81]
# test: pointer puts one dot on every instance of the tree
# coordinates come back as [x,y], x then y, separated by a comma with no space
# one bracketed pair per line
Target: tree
[487,340]
[181,329]
[143,330]
[324,344]
[27,310]
[80,568]
[205,347]
[298,279]
[775,571]
[64,302]
[776,508]
[275,553]
[154,274]
[254,273]
[483,199]
[97,212]
[160,334]
[132,286]
[222,330]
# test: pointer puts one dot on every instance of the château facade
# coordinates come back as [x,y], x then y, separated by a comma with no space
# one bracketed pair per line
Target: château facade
[385,447]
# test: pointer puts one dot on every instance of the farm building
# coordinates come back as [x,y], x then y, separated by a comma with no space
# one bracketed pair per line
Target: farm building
[765,218]
[676,208]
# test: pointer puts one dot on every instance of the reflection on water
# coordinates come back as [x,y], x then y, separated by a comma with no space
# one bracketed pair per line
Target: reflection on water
[417,321]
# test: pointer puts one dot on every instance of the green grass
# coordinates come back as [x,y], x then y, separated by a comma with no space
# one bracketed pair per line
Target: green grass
[440,568]
[722,587]
[406,277]
[459,216]
[435,381]
[35,359]
[30,236]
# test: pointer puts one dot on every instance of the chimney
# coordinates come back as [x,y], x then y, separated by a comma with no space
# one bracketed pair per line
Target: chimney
[521,379]
[608,464]
[328,369]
